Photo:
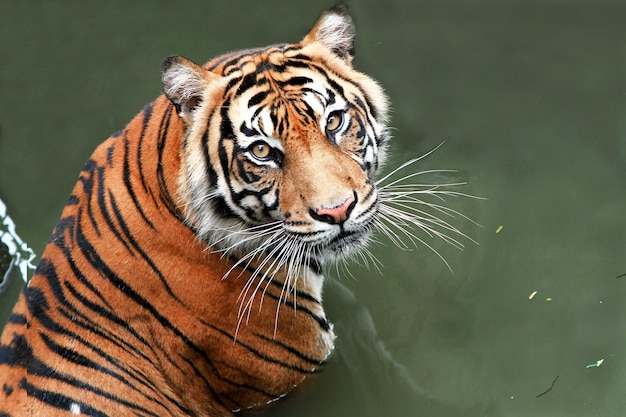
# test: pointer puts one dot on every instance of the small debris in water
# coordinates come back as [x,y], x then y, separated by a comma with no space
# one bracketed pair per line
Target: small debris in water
[499,229]
[596,365]
[532,295]
[549,299]
[549,389]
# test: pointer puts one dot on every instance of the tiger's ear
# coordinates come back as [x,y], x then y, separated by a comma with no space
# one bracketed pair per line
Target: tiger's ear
[335,30]
[184,83]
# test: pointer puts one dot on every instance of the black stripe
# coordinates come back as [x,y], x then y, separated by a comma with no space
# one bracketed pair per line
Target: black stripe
[232,83]
[309,111]
[248,82]
[59,400]
[129,186]
[236,58]
[101,196]
[230,61]
[58,238]
[82,360]
[17,353]
[290,349]
[218,203]
[221,207]
[260,355]
[274,206]
[248,131]
[227,133]
[369,192]
[88,324]
[15,318]
[379,141]
[210,172]
[164,193]
[299,293]
[63,402]
[118,341]
[53,281]
[110,151]
[124,344]
[316,268]
[98,263]
[219,60]
[131,239]
[323,322]
[257,98]
[295,81]
[226,127]
[147,115]
[38,306]
[197,372]
[87,180]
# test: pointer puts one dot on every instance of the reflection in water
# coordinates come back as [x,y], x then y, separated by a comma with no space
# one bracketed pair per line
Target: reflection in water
[362,336]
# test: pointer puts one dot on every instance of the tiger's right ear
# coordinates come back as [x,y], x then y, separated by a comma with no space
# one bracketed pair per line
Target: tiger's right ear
[335,30]
[184,83]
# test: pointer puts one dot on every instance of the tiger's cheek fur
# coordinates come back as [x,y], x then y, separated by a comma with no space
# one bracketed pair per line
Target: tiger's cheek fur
[257,189]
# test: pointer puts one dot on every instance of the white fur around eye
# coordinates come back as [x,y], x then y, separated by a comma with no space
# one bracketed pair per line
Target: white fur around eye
[246,142]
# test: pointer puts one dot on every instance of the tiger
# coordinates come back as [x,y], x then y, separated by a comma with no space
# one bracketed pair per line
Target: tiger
[185,275]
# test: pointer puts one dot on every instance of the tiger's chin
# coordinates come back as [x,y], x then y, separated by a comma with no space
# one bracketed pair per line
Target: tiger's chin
[344,245]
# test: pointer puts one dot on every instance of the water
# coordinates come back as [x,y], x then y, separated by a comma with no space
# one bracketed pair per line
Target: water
[531,100]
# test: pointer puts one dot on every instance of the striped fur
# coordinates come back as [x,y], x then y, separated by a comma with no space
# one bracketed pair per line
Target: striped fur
[185,274]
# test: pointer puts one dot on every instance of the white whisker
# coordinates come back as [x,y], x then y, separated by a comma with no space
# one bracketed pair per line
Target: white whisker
[409,162]
[415,174]
[404,208]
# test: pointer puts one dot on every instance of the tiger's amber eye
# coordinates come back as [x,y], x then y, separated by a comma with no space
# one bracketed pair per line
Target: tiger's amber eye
[261,150]
[334,121]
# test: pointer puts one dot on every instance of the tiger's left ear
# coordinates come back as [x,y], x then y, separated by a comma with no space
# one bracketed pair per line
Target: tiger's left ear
[335,30]
[184,83]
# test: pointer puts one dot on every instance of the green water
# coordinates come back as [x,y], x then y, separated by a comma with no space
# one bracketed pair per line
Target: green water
[530,97]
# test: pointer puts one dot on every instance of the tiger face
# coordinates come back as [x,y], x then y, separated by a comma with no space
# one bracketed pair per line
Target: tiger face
[281,146]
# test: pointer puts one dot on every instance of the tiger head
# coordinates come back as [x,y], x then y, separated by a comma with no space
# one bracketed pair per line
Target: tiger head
[281,145]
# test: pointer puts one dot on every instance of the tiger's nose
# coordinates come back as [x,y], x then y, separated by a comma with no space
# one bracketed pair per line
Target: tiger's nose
[337,214]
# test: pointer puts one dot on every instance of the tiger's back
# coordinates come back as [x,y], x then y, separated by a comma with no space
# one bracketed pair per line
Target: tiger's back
[184,276]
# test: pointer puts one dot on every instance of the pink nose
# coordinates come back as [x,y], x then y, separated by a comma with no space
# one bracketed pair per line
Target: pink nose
[337,214]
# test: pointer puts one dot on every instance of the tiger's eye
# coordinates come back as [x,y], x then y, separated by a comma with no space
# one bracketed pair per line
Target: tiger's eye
[334,121]
[261,150]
